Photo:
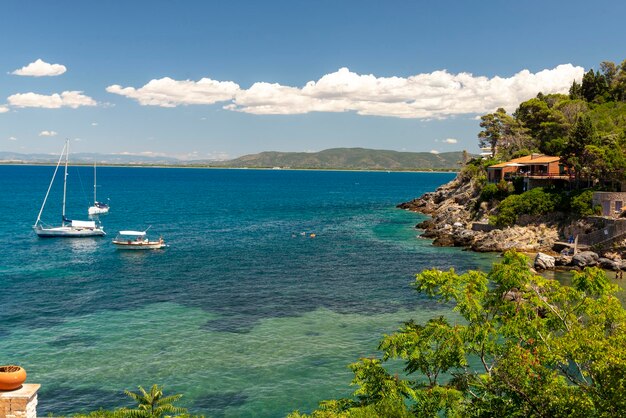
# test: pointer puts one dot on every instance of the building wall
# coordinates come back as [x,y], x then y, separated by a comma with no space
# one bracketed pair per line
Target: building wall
[613,203]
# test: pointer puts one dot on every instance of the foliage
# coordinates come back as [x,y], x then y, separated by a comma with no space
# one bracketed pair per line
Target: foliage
[476,170]
[582,203]
[153,404]
[532,202]
[524,346]
[149,405]
[497,191]
[503,134]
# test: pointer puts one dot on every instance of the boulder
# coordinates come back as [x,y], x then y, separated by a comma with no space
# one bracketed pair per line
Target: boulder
[544,261]
[563,260]
[443,240]
[464,237]
[609,264]
[585,259]
[613,256]
[428,223]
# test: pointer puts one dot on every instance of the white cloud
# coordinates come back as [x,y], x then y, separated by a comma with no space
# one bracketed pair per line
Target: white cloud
[3,109]
[166,92]
[47,133]
[434,151]
[12,138]
[450,141]
[423,96]
[73,99]
[94,123]
[40,68]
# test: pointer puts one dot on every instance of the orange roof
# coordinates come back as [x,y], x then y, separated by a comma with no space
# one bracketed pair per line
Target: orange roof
[528,160]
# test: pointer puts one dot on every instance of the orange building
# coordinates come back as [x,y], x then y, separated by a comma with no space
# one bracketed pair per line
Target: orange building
[535,166]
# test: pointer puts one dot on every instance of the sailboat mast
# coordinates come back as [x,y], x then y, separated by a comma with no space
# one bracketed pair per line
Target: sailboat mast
[67,155]
[94,182]
[45,199]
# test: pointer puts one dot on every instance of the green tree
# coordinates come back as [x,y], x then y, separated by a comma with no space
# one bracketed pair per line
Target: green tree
[593,86]
[618,87]
[545,124]
[575,154]
[576,91]
[536,349]
[153,404]
[503,133]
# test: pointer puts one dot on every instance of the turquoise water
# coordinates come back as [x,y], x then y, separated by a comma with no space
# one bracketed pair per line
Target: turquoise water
[242,314]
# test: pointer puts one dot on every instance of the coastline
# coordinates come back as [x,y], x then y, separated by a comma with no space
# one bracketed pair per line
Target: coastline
[87,164]
[459,219]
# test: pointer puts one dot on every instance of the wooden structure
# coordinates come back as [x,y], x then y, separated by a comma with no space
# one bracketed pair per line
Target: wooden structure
[535,165]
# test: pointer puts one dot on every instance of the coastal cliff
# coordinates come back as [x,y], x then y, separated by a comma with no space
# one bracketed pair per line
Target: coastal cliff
[459,219]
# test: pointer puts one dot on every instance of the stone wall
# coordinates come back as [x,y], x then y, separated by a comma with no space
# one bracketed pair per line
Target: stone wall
[613,203]
[19,403]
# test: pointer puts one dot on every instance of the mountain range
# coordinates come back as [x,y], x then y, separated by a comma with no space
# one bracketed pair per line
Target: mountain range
[335,158]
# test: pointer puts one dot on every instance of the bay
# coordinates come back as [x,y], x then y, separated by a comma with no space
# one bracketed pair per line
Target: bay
[244,313]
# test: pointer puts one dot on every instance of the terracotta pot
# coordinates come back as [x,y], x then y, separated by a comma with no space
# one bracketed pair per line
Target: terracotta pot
[11,377]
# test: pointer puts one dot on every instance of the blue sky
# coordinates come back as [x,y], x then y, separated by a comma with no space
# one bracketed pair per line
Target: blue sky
[218,79]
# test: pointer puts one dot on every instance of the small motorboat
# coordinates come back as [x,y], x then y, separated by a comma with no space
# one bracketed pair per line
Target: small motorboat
[137,240]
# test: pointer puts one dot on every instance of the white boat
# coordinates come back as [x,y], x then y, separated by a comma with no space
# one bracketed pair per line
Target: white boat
[137,240]
[68,228]
[98,208]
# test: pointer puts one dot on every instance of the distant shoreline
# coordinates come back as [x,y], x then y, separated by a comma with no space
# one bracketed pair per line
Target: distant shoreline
[382,170]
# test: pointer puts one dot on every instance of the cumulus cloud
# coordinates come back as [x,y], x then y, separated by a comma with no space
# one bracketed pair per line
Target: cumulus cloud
[434,151]
[94,123]
[73,99]
[166,92]
[40,68]
[450,141]
[12,138]
[439,94]
[3,109]
[47,133]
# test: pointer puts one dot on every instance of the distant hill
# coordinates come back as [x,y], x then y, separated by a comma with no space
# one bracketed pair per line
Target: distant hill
[335,158]
[350,159]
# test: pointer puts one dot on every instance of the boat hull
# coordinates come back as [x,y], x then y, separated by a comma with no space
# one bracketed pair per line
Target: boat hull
[138,245]
[68,232]
[94,210]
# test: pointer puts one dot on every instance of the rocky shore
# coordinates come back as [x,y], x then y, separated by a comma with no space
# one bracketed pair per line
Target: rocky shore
[608,261]
[458,219]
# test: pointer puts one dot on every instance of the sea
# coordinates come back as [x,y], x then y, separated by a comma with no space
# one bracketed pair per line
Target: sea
[272,283]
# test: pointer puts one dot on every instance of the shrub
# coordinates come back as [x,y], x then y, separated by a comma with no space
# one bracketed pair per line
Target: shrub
[581,203]
[532,202]
[489,192]
[496,191]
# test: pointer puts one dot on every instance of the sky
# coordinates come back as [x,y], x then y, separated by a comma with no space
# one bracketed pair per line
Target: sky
[220,79]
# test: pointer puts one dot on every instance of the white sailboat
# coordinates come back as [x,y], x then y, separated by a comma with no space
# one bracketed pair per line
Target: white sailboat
[69,228]
[98,208]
